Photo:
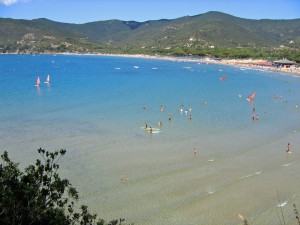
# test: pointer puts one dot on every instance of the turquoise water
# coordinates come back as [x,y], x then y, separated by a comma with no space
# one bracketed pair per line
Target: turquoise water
[95,108]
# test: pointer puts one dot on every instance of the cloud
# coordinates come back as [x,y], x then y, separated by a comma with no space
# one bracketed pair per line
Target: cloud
[10,2]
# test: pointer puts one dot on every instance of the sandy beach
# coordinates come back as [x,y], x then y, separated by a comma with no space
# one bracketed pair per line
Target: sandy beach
[249,63]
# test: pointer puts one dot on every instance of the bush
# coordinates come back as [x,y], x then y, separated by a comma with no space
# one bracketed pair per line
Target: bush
[39,196]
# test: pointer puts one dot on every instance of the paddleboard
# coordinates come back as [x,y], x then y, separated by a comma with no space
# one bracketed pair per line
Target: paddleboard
[155,131]
[148,128]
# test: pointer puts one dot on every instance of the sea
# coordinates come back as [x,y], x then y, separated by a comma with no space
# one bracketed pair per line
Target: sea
[211,156]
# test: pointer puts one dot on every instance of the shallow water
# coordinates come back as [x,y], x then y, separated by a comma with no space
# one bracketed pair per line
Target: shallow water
[96,112]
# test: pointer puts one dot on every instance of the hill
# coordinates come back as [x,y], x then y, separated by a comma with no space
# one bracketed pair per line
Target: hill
[189,35]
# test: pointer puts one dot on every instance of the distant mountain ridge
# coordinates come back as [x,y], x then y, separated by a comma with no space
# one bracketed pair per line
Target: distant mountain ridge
[208,30]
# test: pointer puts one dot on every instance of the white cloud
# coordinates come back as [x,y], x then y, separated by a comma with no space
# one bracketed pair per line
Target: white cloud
[7,2]
[10,2]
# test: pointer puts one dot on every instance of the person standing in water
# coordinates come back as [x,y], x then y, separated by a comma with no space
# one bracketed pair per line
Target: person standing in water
[195,151]
[288,150]
[161,108]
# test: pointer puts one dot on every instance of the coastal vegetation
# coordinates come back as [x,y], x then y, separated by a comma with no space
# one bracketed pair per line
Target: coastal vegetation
[40,196]
[212,34]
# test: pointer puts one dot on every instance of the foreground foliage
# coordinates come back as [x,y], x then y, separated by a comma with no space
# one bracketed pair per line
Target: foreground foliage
[39,196]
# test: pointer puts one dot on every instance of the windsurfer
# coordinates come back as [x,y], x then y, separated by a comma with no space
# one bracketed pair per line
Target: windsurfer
[251,97]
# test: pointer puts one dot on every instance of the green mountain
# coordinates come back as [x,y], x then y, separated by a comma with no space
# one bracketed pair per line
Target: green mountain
[186,35]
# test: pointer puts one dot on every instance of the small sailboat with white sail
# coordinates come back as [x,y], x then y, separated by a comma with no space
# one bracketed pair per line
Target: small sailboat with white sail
[38,81]
[47,79]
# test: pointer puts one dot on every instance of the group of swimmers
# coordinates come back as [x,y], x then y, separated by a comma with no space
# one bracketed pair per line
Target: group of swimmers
[181,111]
[186,111]
[170,116]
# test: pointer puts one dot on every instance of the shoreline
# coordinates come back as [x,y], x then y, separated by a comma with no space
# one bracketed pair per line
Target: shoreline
[248,63]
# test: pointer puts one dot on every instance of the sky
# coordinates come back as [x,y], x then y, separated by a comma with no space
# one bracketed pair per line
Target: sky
[83,11]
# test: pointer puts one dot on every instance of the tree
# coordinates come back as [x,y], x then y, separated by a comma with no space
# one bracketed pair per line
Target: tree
[39,196]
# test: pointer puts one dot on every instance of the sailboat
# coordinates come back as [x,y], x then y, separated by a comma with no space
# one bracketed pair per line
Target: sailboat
[47,79]
[38,81]
[223,78]
[251,97]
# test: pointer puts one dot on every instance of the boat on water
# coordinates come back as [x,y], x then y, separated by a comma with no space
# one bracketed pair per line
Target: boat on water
[223,78]
[38,81]
[251,97]
[47,79]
